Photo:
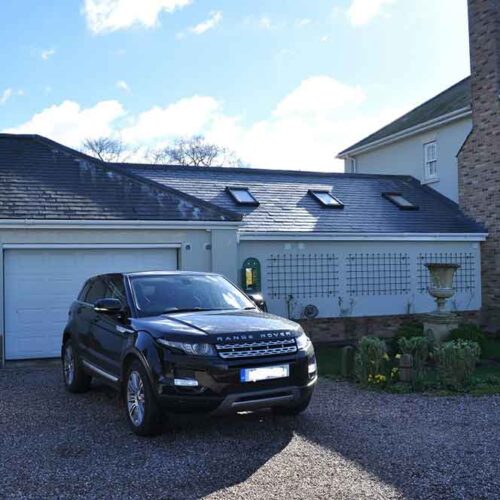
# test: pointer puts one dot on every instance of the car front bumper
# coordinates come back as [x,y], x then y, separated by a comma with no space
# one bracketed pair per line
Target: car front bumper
[220,389]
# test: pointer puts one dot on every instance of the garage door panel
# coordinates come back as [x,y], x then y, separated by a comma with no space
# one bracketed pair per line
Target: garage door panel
[41,284]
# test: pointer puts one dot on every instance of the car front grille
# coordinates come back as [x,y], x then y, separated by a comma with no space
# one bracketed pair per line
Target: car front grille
[256,349]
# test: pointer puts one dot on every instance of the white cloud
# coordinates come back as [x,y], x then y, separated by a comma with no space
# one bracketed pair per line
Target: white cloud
[265,23]
[123,85]
[319,95]
[303,22]
[45,54]
[361,12]
[304,131]
[210,23]
[70,124]
[110,15]
[5,96]
[185,117]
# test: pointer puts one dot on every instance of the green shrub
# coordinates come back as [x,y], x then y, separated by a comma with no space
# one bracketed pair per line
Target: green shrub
[370,361]
[410,329]
[419,349]
[406,330]
[468,332]
[456,362]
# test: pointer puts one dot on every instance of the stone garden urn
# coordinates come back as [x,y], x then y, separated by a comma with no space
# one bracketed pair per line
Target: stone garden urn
[441,287]
[440,323]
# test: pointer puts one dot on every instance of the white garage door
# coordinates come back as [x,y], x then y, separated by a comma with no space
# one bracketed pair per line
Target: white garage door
[41,284]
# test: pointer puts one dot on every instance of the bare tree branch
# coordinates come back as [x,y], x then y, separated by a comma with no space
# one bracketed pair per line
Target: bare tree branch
[192,151]
[195,151]
[106,149]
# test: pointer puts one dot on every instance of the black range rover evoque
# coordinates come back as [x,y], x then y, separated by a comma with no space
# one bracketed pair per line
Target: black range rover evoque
[184,342]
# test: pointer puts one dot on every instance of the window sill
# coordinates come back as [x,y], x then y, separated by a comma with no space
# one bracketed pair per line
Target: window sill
[429,181]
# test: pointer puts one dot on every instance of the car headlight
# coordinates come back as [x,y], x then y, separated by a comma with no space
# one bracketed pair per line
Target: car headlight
[303,341]
[198,349]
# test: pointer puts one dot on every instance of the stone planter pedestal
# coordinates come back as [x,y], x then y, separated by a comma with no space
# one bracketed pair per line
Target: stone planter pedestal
[438,326]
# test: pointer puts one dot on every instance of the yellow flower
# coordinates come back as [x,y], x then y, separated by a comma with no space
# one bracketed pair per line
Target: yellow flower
[398,356]
[386,356]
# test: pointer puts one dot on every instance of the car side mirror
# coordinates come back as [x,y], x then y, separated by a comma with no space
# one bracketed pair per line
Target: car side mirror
[108,306]
[258,300]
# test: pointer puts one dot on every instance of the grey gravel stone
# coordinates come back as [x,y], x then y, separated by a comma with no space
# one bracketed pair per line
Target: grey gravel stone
[349,444]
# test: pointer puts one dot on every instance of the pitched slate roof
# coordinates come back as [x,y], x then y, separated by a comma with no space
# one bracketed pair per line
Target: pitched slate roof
[285,204]
[452,99]
[41,179]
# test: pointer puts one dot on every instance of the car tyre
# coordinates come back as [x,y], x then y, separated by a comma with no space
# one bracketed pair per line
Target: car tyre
[142,409]
[75,378]
[293,410]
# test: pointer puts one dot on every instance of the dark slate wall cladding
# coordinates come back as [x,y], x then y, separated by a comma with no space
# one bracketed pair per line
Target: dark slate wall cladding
[42,182]
[285,204]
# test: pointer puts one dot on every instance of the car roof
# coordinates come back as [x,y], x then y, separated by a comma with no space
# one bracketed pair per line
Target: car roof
[154,273]
[169,273]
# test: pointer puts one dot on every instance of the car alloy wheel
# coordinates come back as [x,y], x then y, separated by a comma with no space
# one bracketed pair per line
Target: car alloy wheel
[135,398]
[69,365]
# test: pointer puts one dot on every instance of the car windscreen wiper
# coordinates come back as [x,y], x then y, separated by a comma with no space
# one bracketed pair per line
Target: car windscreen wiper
[170,310]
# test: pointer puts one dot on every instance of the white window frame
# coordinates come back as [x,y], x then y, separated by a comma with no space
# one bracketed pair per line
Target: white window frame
[353,165]
[430,161]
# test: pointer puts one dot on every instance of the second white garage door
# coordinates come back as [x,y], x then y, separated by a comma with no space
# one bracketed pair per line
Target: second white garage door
[40,284]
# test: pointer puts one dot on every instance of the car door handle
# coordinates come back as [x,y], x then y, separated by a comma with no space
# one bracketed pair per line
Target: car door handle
[122,329]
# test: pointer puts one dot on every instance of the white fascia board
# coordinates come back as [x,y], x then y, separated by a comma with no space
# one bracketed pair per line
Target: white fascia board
[286,236]
[417,129]
[88,246]
[118,224]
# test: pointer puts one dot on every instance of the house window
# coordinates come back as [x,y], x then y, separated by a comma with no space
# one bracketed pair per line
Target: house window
[400,201]
[242,196]
[326,199]
[353,165]
[430,160]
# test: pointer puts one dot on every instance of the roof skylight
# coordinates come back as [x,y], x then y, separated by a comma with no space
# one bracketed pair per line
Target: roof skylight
[325,198]
[242,196]
[400,201]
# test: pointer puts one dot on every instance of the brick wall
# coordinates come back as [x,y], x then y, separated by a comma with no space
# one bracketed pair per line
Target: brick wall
[479,158]
[346,329]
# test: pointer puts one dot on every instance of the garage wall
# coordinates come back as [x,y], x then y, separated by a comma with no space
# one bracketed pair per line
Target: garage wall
[357,279]
[195,248]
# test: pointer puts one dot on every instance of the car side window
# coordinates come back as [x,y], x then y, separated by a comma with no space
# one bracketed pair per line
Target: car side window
[83,292]
[97,291]
[115,289]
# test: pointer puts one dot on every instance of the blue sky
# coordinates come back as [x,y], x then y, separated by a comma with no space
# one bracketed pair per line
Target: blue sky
[285,83]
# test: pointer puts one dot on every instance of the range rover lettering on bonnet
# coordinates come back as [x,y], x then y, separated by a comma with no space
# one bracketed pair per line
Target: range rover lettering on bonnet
[255,336]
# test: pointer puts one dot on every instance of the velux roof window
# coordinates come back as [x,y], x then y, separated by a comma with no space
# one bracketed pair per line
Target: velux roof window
[400,201]
[325,198]
[242,196]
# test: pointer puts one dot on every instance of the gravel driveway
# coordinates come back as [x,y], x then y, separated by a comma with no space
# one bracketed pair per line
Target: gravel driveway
[349,444]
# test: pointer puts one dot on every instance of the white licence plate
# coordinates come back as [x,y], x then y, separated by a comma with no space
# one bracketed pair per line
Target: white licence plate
[264,373]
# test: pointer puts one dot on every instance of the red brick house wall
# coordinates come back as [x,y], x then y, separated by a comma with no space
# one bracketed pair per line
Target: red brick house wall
[479,158]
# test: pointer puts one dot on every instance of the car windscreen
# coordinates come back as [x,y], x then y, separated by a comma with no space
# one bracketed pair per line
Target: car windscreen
[155,295]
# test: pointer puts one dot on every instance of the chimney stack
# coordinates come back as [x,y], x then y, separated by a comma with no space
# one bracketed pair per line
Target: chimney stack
[479,158]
